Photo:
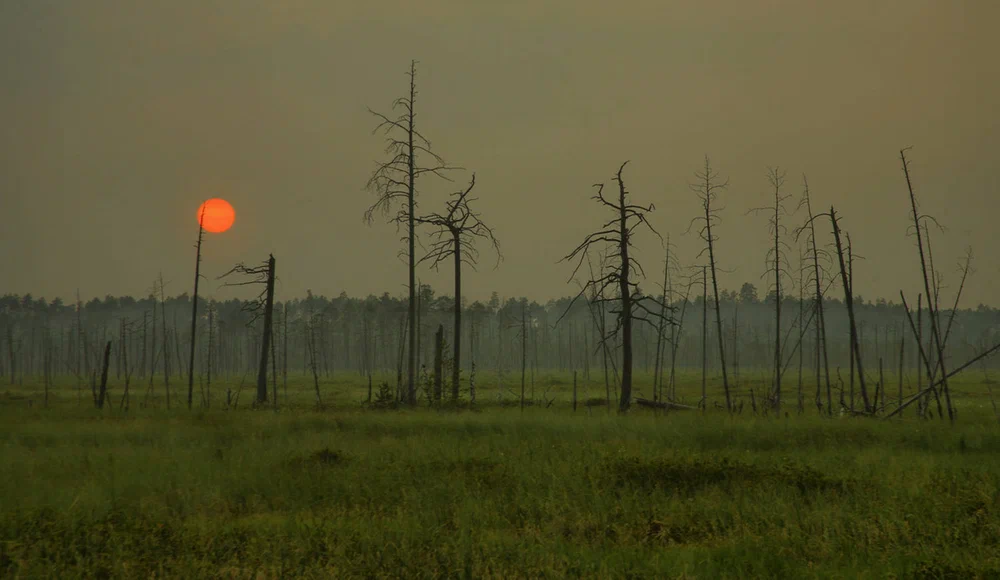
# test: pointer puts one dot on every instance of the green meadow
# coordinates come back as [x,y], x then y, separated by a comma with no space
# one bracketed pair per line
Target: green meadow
[490,490]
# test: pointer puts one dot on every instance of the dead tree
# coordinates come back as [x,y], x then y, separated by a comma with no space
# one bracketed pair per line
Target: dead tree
[394,184]
[620,272]
[166,343]
[455,234]
[777,266]
[127,330]
[708,186]
[818,275]
[524,350]
[595,305]
[261,306]
[208,361]
[194,303]
[849,302]
[931,304]
[676,333]
[703,402]
[665,299]
[310,345]
[439,365]
[104,376]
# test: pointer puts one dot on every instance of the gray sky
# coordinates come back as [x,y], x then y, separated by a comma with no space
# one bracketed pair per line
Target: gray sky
[119,117]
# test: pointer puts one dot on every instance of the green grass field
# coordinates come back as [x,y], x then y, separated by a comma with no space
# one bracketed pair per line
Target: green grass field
[491,492]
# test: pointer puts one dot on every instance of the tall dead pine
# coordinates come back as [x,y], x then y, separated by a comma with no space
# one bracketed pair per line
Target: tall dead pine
[455,234]
[621,273]
[931,304]
[707,186]
[260,307]
[777,267]
[394,184]
[194,304]
[849,302]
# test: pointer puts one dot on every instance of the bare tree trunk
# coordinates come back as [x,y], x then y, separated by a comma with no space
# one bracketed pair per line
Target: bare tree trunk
[658,366]
[931,306]
[274,367]
[311,345]
[152,349]
[79,346]
[265,346]
[921,403]
[849,301]
[208,362]
[411,363]
[902,354]
[10,350]
[284,348]
[166,343]
[104,376]
[142,363]
[704,340]
[439,364]
[708,189]
[626,297]
[524,349]
[802,328]
[194,307]
[456,367]
[574,391]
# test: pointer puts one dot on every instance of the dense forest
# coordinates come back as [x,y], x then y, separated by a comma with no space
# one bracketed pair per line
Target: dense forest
[150,336]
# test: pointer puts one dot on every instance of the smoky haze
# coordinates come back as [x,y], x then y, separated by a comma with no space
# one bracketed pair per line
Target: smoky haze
[121,117]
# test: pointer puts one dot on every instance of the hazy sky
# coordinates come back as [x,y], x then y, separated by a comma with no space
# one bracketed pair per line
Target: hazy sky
[119,117]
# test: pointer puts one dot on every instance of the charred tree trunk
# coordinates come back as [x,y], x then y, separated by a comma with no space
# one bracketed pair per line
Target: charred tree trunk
[849,301]
[265,346]
[626,297]
[439,363]
[166,342]
[456,367]
[194,307]
[704,340]
[932,309]
[524,350]
[102,393]
[707,189]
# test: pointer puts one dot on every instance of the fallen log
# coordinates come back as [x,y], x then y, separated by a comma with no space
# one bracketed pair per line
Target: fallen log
[663,405]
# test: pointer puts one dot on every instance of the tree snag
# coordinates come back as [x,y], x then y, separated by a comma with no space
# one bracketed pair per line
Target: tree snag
[707,187]
[619,273]
[394,184]
[455,235]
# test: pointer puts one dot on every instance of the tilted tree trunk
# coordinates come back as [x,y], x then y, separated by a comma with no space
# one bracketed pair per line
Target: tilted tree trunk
[849,301]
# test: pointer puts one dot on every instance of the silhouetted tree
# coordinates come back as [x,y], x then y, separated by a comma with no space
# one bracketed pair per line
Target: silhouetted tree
[620,272]
[456,232]
[394,184]
[817,275]
[194,303]
[707,186]
[777,265]
[261,306]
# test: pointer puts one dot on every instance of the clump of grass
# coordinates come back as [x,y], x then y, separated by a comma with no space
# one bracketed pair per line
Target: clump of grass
[324,457]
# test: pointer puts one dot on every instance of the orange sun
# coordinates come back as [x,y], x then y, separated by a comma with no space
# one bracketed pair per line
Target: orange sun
[216,215]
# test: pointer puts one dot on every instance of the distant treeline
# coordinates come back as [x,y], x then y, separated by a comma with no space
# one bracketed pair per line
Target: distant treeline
[366,335]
